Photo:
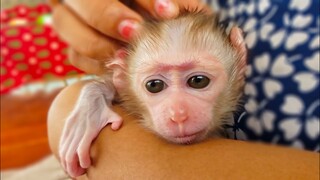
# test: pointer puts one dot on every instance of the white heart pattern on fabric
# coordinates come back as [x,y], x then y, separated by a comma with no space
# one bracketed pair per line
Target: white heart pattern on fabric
[301,21]
[272,88]
[300,5]
[263,6]
[250,89]
[250,8]
[266,30]
[315,43]
[295,39]
[250,24]
[261,63]
[313,62]
[268,118]
[291,128]
[292,105]
[277,38]
[255,125]
[298,144]
[306,81]
[251,39]
[251,106]
[312,127]
[281,67]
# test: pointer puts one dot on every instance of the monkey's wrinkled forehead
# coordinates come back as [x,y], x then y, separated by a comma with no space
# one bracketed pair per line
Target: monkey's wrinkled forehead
[189,33]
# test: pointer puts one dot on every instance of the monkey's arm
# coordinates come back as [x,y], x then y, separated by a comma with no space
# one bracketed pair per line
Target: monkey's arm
[134,153]
[90,114]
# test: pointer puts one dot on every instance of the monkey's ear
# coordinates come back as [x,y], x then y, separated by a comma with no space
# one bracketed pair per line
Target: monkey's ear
[118,67]
[237,41]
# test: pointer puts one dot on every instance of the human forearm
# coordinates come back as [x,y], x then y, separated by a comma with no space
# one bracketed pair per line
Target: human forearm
[134,153]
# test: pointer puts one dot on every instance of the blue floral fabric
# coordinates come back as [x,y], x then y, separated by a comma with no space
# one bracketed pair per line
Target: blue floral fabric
[282,103]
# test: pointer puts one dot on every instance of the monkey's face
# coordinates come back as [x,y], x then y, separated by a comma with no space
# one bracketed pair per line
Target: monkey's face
[180,96]
[184,76]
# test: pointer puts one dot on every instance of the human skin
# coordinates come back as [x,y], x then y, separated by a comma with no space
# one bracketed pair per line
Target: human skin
[135,153]
[95,29]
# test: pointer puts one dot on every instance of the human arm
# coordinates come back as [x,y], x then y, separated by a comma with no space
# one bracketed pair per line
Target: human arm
[133,152]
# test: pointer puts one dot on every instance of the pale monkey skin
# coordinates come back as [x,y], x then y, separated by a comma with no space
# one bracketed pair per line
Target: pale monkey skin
[183,78]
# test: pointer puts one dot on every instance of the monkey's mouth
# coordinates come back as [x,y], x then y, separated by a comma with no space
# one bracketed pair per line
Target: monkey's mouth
[187,139]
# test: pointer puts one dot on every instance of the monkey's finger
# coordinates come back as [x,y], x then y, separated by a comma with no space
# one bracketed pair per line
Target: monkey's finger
[69,125]
[110,17]
[64,147]
[115,120]
[73,168]
[69,143]
[83,149]
[116,125]
[80,36]
[63,144]
[72,158]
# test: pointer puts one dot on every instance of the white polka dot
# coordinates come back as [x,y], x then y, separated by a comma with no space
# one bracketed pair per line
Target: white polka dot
[25,79]
[22,10]
[14,72]
[32,61]
[9,63]
[4,51]
[2,39]
[26,37]
[54,45]
[57,57]
[32,49]
[58,69]
[52,34]
[4,15]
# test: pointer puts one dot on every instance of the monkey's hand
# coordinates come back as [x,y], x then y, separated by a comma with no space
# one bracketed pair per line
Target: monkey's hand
[91,113]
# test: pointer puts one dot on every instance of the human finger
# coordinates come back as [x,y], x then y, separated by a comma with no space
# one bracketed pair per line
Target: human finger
[110,17]
[160,8]
[86,64]
[81,37]
[169,8]
[194,5]
[53,2]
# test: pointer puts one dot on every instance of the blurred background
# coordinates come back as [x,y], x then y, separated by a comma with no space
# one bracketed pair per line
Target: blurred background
[34,68]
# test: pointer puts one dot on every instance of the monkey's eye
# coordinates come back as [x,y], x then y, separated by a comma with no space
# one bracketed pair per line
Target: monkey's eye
[155,85]
[198,81]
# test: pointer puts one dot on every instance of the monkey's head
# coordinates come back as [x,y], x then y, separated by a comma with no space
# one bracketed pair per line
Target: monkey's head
[183,76]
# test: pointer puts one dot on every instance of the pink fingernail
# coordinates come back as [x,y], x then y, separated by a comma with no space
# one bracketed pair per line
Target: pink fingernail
[127,28]
[165,8]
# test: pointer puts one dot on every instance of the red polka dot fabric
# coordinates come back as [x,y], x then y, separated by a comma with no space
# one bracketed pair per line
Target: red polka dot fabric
[30,50]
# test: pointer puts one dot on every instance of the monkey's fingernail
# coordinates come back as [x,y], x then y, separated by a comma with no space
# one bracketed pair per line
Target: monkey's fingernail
[165,8]
[128,28]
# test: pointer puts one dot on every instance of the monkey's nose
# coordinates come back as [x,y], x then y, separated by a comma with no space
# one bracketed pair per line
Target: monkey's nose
[179,115]
[179,119]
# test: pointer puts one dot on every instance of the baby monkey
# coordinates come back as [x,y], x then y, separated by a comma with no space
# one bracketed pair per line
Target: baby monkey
[183,77]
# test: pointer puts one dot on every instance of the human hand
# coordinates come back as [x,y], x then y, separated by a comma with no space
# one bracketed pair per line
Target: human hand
[95,29]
